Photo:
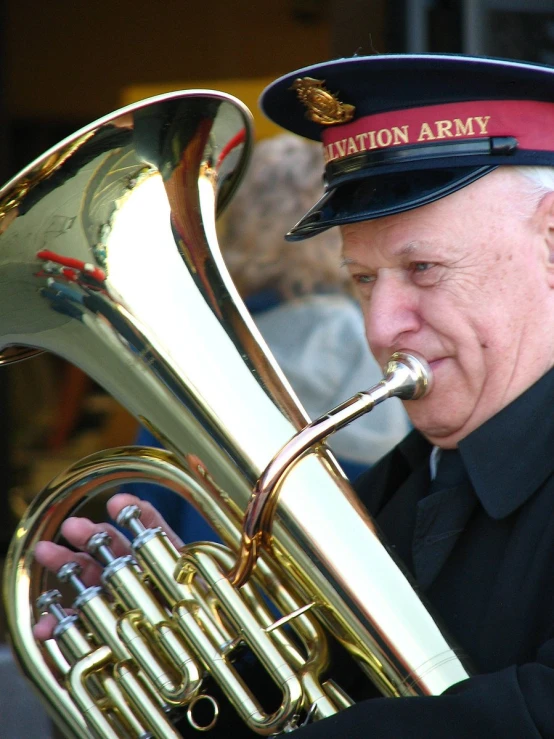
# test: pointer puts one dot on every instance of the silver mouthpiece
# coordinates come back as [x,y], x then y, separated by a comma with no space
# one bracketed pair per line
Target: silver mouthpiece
[409,375]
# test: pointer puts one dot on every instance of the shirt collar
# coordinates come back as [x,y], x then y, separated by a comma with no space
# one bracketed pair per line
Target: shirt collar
[512,454]
[434,461]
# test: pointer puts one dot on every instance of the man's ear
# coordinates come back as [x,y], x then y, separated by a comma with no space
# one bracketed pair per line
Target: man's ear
[545,221]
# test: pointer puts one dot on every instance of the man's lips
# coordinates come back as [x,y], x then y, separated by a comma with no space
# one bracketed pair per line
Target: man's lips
[436,362]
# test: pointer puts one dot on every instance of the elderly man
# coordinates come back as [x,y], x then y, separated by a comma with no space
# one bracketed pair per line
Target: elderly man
[433,172]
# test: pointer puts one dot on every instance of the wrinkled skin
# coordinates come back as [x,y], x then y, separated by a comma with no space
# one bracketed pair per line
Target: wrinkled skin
[467,282]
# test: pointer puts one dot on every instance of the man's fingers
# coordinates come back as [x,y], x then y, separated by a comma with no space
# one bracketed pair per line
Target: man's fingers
[44,627]
[149,517]
[78,531]
[52,556]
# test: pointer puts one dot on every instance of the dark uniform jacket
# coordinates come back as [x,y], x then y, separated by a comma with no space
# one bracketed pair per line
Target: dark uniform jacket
[482,552]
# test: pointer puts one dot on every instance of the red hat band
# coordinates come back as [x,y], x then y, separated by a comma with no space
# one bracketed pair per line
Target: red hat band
[530,122]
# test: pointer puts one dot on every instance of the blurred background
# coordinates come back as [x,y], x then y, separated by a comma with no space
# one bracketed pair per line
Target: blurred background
[63,64]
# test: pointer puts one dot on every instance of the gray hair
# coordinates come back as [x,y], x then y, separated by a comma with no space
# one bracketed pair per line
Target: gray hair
[540,181]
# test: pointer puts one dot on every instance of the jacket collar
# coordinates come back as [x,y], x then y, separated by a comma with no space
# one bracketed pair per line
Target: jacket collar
[509,456]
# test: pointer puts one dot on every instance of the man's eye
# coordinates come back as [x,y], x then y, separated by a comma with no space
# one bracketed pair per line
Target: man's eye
[426,273]
[363,279]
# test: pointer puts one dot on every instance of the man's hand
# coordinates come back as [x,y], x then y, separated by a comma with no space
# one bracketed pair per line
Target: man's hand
[77,531]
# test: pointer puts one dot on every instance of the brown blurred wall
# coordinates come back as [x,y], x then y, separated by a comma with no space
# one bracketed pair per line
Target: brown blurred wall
[69,60]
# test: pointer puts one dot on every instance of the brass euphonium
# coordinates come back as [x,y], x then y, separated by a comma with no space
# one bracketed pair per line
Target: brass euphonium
[109,259]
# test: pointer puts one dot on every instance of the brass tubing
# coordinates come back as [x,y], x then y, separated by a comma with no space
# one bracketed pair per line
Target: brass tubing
[77,679]
[137,634]
[256,638]
[118,707]
[407,376]
[146,620]
[225,675]
[160,559]
[99,618]
[138,691]
[93,690]
[310,665]
[148,711]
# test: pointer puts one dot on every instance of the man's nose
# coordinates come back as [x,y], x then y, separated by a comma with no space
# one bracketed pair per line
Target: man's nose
[392,311]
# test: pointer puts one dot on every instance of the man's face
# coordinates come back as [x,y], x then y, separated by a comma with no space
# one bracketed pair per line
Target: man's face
[466,282]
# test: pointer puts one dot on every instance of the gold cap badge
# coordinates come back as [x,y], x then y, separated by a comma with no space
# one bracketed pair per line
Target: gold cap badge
[323,107]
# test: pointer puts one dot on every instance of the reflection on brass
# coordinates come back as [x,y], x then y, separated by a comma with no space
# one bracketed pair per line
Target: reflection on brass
[190,713]
[35,174]
[322,106]
[111,262]
[16,353]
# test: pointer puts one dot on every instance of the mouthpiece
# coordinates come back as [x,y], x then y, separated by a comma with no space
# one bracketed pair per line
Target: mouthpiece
[408,376]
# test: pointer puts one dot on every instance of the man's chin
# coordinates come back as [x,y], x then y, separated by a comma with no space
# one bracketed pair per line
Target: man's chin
[434,426]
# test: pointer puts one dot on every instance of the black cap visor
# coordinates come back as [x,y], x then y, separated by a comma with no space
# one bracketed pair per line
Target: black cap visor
[382,195]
